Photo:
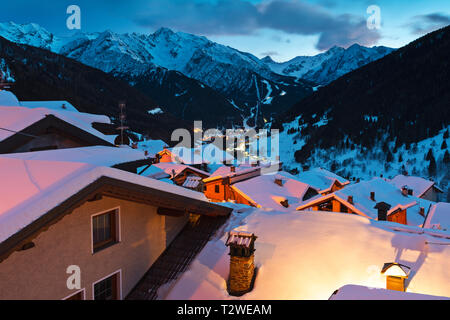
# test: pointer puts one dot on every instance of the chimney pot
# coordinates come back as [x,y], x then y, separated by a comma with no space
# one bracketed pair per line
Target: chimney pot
[242,267]
[233,169]
[372,195]
[350,199]
[422,211]
[405,191]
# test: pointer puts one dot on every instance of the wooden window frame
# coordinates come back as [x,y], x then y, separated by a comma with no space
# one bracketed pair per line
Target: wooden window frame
[118,275]
[116,230]
[216,188]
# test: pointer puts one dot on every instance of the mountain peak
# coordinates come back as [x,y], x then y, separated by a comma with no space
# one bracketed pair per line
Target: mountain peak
[164,31]
[267,59]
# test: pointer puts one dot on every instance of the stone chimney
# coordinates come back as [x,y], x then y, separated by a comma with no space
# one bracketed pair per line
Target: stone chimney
[405,191]
[382,208]
[422,211]
[350,199]
[372,195]
[242,266]
[279,181]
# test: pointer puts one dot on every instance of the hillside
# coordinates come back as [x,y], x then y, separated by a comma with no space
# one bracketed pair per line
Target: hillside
[395,103]
[39,74]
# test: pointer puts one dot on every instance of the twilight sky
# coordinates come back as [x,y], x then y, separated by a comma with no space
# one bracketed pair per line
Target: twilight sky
[280,28]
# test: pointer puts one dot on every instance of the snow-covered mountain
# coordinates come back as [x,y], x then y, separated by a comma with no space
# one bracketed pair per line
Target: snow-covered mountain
[330,65]
[241,78]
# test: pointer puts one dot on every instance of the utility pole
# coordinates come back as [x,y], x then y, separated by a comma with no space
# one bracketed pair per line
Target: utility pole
[122,118]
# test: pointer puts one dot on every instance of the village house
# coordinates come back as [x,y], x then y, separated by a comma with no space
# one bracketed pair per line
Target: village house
[438,217]
[201,157]
[418,187]
[251,185]
[124,157]
[323,180]
[375,199]
[179,174]
[26,129]
[111,225]
[280,191]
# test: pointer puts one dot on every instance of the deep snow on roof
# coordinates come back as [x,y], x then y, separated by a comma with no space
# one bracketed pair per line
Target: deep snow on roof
[8,99]
[208,153]
[95,155]
[384,192]
[439,217]
[354,292]
[320,178]
[175,169]
[305,255]
[152,146]
[417,184]
[53,105]
[19,118]
[263,191]
[31,188]
[224,170]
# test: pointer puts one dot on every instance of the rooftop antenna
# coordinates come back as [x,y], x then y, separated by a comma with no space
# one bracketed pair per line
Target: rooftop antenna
[122,118]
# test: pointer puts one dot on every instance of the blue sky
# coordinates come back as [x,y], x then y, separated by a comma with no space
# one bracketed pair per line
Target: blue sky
[281,28]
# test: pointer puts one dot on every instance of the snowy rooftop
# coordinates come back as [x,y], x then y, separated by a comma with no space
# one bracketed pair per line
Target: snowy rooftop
[264,192]
[174,169]
[8,99]
[224,170]
[53,105]
[208,153]
[19,118]
[304,255]
[95,155]
[439,217]
[353,292]
[417,184]
[384,192]
[32,187]
[321,179]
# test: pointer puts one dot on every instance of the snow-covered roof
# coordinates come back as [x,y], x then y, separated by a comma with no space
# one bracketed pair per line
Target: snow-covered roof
[30,188]
[354,292]
[417,184]
[53,105]
[305,255]
[224,170]
[152,146]
[95,155]
[438,217]
[321,179]
[175,169]
[384,192]
[208,153]
[262,190]
[192,182]
[8,99]
[19,118]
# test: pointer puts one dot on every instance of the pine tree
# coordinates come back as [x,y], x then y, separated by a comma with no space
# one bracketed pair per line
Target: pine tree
[446,157]
[444,145]
[429,155]
[389,157]
[432,166]
[400,158]
[446,135]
